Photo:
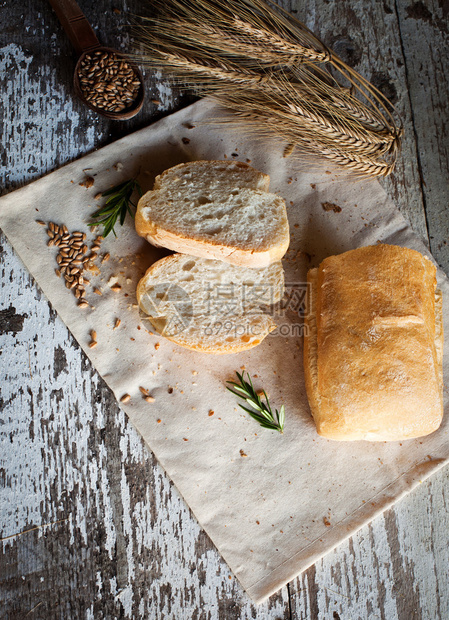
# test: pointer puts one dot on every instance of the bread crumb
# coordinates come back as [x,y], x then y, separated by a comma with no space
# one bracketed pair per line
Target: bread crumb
[149,399]
[305,255]
[97,291]
[88,182]
[157,345]
[117,323]
[93,343]
[144,391]
[330,206]
[211,412]
[159,421]
[93,269]
[326,522]
[185,439]
[125,398]
[242,453]
[116,287]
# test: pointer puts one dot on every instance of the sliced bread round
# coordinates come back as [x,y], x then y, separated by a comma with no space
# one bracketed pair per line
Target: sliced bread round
[208,305]
[211,174]
[217,210]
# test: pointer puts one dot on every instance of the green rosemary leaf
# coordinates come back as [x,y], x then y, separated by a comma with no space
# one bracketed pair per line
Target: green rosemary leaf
[121,187]
[237,387]
[117,206]
[281,416]
[268,402]
[256,405]
[260,419]
[261,412]
[252,413]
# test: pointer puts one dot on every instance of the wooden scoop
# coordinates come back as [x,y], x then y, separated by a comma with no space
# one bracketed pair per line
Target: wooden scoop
[85,41]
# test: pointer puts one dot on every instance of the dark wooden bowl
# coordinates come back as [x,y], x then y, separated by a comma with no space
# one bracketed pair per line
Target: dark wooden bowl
[125,114]
[84,40]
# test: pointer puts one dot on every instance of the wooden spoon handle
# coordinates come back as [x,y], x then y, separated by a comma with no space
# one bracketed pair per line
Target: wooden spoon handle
[75,24]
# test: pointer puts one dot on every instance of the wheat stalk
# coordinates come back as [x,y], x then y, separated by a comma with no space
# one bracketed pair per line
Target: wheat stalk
[290,94]
[278,93]
[359,165]
[260,46]
[343,99]
[260,121]
[293,52]
[199,73]
[259,61]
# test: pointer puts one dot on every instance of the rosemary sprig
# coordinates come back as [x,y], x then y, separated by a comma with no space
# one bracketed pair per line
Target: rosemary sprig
[263,414]
[118,204]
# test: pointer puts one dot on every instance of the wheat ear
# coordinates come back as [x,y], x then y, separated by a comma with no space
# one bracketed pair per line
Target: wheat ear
[262,63]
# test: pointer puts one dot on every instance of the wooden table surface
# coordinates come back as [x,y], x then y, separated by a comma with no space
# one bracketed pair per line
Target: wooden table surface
[91,527]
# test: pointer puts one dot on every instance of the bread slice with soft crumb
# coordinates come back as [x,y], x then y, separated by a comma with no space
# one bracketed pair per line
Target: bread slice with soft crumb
[215,209]
[212,173]
[209,305]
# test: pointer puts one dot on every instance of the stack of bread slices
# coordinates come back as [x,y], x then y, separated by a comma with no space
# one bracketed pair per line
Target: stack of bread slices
[230,234]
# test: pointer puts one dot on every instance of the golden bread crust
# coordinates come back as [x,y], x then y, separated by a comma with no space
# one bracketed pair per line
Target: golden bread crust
[376,361]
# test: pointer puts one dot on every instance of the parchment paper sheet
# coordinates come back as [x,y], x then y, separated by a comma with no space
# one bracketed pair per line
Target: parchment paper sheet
[293,497]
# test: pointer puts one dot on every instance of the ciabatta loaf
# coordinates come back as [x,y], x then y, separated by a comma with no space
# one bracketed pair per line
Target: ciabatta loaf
[208,305]
[215,209]
[373,345]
